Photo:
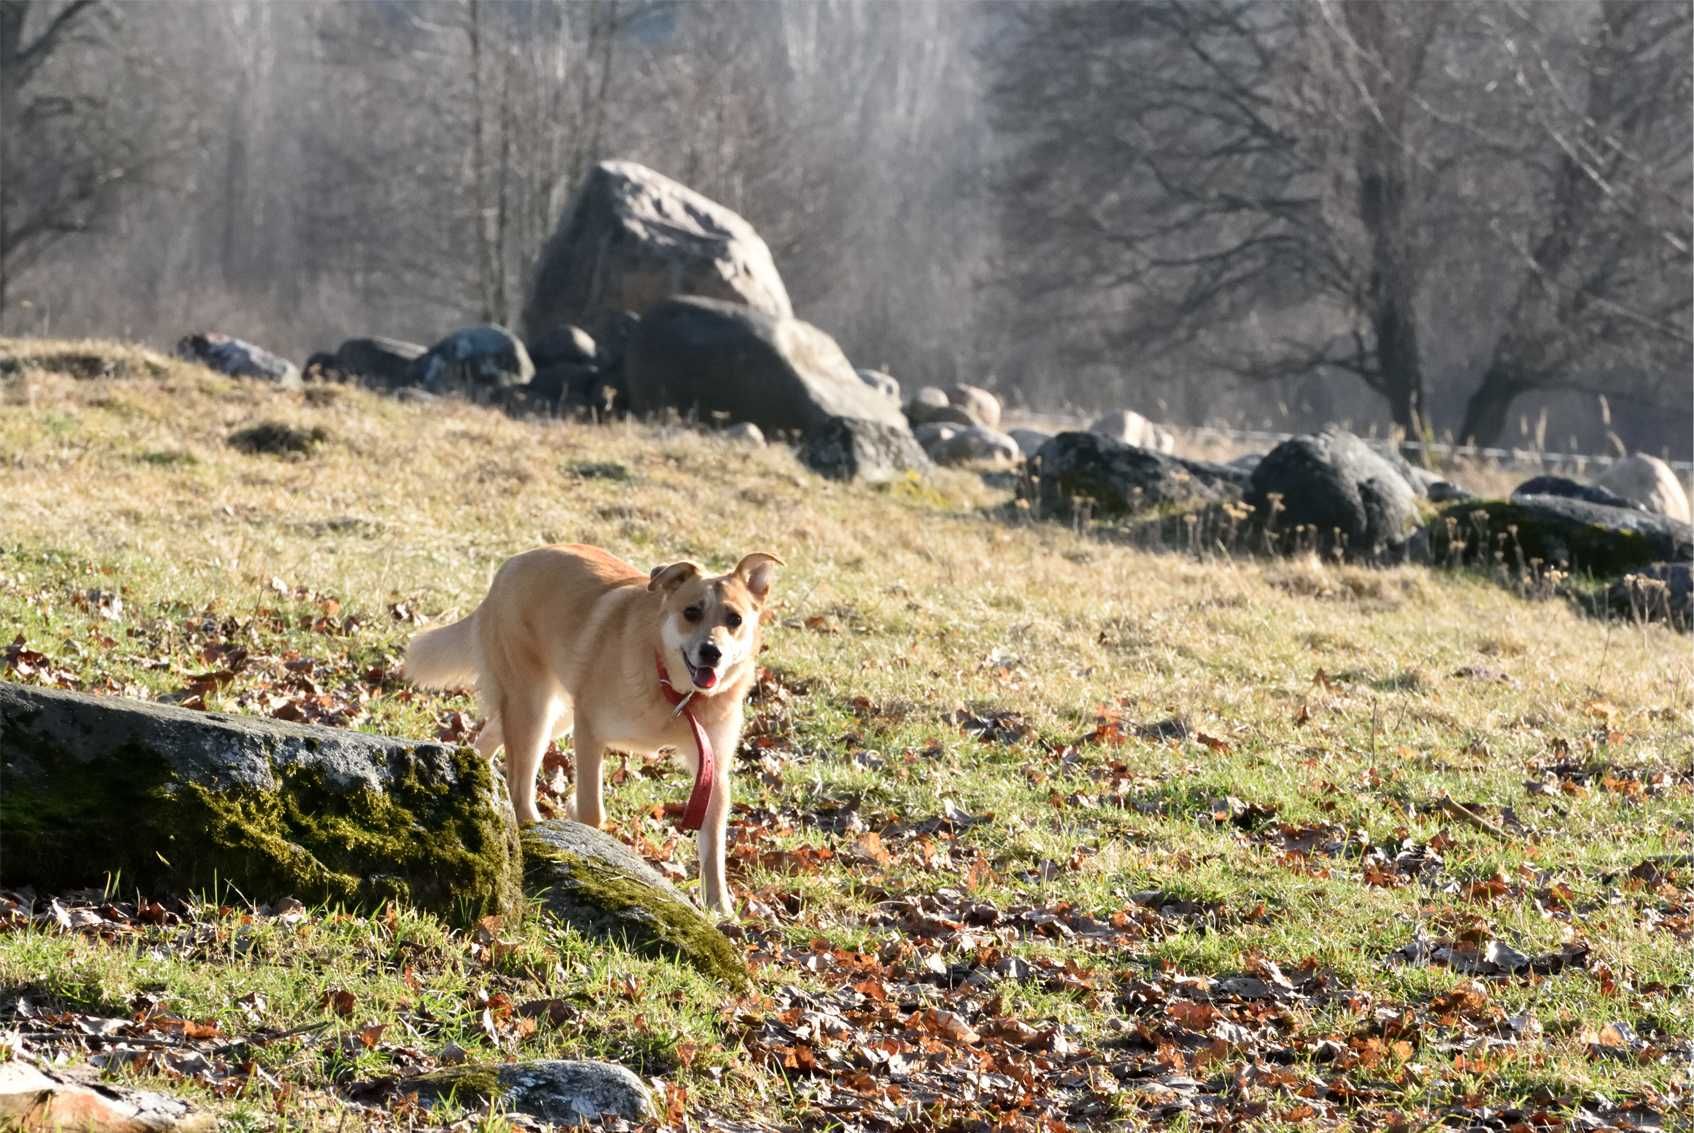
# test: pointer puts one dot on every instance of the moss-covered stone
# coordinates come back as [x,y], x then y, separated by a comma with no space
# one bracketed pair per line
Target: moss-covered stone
[596,884]
[556,1091]
[163,798]
[1573,535]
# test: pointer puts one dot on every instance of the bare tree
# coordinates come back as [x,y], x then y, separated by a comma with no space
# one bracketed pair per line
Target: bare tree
[1274,190]
[1600,275]
[76,131]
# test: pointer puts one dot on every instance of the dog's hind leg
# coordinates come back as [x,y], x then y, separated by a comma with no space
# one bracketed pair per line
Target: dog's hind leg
[590,805]
[526,720]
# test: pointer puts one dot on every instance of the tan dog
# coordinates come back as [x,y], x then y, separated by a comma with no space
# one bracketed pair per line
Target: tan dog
[573,638]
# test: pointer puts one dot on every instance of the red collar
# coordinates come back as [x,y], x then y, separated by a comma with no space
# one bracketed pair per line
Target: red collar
[705,771]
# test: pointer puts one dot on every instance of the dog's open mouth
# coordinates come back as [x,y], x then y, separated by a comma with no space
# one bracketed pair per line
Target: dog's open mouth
[702,676]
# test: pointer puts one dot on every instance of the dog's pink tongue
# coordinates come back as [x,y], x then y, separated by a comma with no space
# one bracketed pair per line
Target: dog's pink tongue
[705,678]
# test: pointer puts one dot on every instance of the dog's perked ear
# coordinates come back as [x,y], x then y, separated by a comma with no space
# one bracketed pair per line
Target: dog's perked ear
[670,577]
[757,571]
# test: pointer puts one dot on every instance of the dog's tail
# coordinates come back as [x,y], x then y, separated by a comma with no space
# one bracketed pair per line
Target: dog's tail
[444,657]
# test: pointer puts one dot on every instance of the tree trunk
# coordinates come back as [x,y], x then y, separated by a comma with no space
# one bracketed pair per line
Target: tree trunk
[1485,412]
[1381,166]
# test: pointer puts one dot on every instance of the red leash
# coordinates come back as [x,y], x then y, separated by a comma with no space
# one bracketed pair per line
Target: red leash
[694,814]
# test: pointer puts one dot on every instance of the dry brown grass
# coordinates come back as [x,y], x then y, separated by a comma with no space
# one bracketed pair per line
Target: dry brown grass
[1337,694]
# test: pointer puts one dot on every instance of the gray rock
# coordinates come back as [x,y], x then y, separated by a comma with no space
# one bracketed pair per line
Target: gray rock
[704,356]
[743,433]
[921,413]
[1340,488]
[881,382]
[568,386]
[480,361]
[385,363]
[565,343]
[932,433]
[57,1097]
[632,237]
[1561,532]
[175,800]
[555,1091]
[849,448]
[1029,441]
[1425,483]
[1247,461]
[974,444]
[1571,489]
[1656,592]
[1121,478]
[602,888]
[1128,427]
[1446,492]
[238,359]
[928,397]
[1650,483]
[983,407]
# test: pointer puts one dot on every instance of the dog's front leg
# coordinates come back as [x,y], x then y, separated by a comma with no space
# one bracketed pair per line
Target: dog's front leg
[590,801]
[713,846]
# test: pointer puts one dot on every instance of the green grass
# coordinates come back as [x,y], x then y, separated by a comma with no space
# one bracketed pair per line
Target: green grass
[1327,700]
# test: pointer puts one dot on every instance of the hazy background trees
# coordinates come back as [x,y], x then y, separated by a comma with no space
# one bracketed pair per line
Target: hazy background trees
[1467,218]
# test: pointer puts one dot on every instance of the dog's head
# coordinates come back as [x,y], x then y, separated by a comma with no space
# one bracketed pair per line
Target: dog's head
[712,623]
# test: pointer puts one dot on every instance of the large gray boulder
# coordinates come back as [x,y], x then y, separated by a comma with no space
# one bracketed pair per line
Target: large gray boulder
[632,237]
[850,448]
[554,1091]
[1122,478]
[1571,534]
[238,358]
[481,362]
[175,800]
[707,356]
[386,363]
[602,888]
[1348,495]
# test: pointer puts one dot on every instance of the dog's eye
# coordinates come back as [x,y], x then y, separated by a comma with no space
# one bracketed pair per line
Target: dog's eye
[692,613]
[732,620]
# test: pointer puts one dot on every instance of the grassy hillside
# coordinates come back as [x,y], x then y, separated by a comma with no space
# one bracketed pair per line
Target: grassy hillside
[1031,827]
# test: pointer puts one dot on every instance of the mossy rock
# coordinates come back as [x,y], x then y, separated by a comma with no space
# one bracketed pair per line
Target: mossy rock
[555,1091]
[178,801]
[596,884]
[1124,479]
[278,438]
[1571,534]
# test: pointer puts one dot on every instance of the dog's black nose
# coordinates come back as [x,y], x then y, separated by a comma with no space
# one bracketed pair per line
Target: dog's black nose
[710,654]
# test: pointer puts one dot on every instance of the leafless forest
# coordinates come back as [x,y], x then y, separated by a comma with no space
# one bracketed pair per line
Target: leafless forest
[1458,218]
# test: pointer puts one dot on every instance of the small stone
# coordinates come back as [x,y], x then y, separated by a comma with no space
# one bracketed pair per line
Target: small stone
[744,433]
[33,1097]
